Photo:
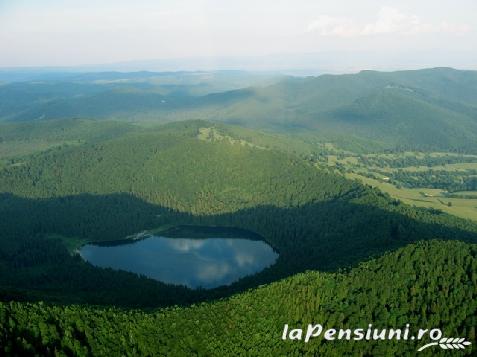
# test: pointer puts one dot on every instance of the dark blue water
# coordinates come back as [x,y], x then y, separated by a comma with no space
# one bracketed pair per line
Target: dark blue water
[206,263]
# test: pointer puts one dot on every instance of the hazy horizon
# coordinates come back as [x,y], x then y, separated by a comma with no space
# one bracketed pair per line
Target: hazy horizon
[309,36]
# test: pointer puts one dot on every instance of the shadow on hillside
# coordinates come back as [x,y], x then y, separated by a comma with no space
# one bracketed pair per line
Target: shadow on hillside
[323,236]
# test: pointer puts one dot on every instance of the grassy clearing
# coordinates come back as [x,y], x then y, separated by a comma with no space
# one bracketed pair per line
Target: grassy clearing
[425,197]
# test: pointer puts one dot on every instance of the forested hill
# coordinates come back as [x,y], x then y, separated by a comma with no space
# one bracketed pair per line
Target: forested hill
[182,174]
[180,166]
[428,285]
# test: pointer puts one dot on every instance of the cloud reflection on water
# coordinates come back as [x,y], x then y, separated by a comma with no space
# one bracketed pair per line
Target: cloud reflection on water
[207,262]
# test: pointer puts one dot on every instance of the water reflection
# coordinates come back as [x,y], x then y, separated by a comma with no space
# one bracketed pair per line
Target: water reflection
[195,263]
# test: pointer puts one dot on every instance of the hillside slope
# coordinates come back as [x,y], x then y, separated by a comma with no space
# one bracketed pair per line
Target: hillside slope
[428,109]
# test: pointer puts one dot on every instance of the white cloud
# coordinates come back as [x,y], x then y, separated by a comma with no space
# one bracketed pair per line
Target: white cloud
[389,21]
[242,259]
[334,26]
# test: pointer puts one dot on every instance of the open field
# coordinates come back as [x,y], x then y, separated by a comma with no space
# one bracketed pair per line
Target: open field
[425,197]
[433,182]
[430,180]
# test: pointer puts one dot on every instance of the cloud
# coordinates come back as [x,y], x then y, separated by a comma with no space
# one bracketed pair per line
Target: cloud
[334,26]
[242,259]
[389,21]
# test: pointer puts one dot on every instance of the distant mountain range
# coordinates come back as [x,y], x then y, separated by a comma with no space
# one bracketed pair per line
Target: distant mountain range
[419,109]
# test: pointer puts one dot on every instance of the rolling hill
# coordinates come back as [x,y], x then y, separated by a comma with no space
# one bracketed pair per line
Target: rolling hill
[422,110]
[427,109]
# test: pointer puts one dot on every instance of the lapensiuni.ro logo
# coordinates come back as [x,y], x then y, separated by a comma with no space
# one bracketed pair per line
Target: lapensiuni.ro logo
[435,336]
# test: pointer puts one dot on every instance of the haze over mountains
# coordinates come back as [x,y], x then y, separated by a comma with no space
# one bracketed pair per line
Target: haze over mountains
[424,109]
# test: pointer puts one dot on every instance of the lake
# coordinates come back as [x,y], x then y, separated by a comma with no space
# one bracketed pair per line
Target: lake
[205,262]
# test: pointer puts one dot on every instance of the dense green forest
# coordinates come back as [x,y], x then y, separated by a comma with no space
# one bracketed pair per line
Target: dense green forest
[55,200]
[427,285]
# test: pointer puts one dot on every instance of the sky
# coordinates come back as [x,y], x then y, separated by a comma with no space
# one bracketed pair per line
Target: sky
[245,33]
